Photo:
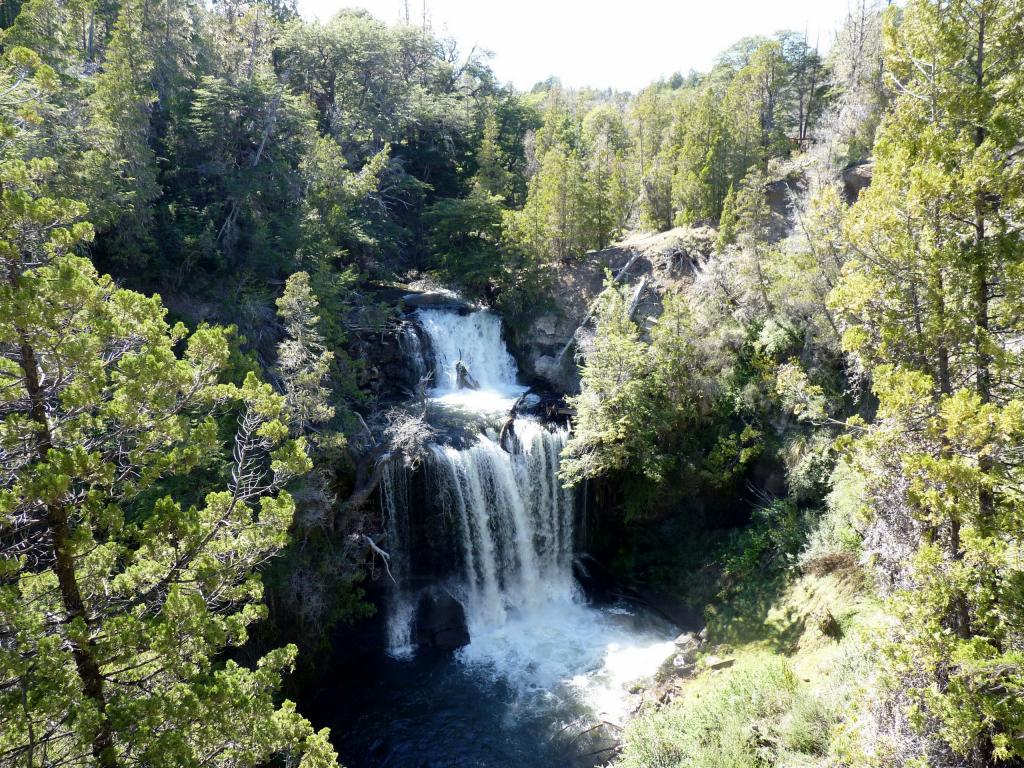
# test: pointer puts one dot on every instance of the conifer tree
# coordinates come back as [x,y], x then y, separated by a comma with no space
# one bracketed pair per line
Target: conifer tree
[492,174]
[613,410]
[304,362]
[117,600]
[932,302]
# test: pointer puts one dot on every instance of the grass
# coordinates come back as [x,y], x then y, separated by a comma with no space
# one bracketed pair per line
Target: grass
[782,701]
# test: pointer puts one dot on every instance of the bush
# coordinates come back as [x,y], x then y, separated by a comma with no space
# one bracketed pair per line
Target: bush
[834,531]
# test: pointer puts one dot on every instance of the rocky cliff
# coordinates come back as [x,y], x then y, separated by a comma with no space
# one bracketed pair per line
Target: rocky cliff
[648,263]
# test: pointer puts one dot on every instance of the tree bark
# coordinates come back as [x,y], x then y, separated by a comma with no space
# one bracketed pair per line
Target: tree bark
[983,360]
[57,521]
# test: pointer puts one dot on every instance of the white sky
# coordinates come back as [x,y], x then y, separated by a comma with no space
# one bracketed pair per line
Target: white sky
[624,44]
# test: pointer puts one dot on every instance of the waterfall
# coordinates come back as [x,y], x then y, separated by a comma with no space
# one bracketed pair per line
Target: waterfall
[515,524]
[473,338]
[495,530]
[511,520]
[395,506]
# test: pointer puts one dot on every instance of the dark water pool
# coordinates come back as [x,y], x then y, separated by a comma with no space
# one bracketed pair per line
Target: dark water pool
[433,712]
[557,680]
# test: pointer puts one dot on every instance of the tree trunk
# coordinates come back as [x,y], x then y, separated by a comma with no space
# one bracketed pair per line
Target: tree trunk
[64,566]
[983,360]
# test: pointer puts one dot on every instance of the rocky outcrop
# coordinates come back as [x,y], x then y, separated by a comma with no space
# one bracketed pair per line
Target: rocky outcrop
[682,665]
[436,300]
[857,178]
[389,370]
[440,621]
[648,263]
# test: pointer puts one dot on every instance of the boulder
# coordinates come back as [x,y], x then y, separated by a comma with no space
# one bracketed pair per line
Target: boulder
[677,666]
[717,662]
[857,178]
[464,377]
[687,647]
[440,621]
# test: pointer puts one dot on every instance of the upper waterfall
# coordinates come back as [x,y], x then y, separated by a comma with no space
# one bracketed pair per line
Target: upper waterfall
[472,341]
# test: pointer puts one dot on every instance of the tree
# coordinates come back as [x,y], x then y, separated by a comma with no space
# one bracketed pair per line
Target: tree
[613,414]
[608,201]
[121,158]
[334,196]
[931,302]
[240,151]
[118,600]
[727,221]
[302,359]
[492,175]
[465,238]
[703,166]
[551,226]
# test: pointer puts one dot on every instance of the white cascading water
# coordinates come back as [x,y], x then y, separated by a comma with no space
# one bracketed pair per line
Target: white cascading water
[475,340]
[515,522]
[527,621]
[395,502]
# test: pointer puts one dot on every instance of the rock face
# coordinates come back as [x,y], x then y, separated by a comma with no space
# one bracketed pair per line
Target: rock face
[856,179]
[389,370]
[647,263]
[440,621]
[435,300]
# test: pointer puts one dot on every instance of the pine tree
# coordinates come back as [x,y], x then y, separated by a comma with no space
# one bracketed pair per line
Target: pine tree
[932,301]
[727,222]
[613,409]
[118,600]
[492,175]
[122,162]
[302,359]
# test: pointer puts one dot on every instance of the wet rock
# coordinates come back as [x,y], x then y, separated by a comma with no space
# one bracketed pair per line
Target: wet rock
[464,377]
[677,666]
[436,301]
[687,648]
[597,582]
[440,621]
[388,370]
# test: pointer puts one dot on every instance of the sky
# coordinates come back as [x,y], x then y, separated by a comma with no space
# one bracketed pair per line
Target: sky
[623,44]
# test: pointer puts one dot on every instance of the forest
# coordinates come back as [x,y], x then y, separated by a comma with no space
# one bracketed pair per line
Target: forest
[357,408]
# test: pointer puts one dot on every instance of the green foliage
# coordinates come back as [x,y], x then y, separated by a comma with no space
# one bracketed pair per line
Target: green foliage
[727,221]
[465,237]
[116,625]
[756,714]
[939,461]
[303,361]
[613,411]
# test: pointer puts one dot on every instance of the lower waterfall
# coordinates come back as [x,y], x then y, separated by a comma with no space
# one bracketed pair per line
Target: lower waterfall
[513,520]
